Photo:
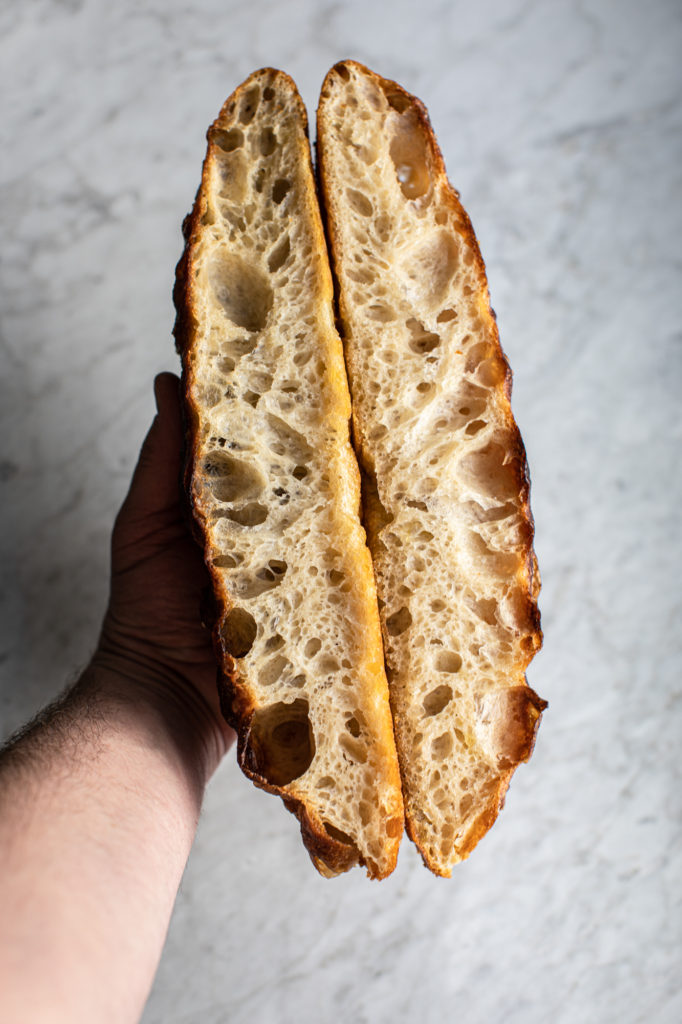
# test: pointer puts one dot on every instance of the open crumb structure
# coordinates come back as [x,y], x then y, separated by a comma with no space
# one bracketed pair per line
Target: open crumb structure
[445,485]
[275,486]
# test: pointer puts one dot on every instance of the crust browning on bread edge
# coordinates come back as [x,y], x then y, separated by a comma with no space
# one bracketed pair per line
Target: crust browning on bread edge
[275,488]
[445,481]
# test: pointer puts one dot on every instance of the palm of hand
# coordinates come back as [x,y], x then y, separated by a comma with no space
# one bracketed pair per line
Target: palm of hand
[153,627]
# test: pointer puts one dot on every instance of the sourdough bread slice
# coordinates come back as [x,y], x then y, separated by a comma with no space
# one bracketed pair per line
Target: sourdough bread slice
[445,485]
[275,487]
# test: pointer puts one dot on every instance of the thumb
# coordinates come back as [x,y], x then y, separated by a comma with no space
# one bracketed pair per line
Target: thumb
[155,485]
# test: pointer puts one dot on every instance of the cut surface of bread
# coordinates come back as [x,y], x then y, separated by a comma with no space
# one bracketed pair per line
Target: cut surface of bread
[445,484]
[275,488]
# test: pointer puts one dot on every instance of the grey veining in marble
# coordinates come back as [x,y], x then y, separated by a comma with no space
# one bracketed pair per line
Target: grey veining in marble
[560,124]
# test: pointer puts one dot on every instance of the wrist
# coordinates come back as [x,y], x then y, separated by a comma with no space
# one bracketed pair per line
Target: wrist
[99,802]
[171,715]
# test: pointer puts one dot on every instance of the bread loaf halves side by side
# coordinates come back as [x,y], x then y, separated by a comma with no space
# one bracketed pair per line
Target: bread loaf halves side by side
[275,488]
[445,484]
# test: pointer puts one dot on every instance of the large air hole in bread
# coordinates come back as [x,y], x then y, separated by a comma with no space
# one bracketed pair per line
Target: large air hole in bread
[282,742]
[241,288]
[408,152]
[239,631]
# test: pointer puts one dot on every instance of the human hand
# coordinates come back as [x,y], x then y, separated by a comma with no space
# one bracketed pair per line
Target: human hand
[153,646]
[107,783]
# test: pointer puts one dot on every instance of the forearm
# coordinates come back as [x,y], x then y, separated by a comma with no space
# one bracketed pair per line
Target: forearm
[98,810]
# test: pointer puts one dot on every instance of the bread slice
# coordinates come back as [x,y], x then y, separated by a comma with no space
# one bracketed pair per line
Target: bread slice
[445,484]
[275,486]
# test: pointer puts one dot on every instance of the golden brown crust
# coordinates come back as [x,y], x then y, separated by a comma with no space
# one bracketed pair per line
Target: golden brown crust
[525,707]
[521,739]
[330,853]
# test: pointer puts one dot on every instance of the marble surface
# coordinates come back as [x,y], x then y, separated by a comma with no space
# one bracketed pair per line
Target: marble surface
[560,124]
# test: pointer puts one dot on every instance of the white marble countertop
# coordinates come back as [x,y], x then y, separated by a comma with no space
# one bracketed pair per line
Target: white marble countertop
[560,124]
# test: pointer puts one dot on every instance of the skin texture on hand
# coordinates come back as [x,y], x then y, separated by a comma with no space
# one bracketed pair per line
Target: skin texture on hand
[100,795]
[152,633]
